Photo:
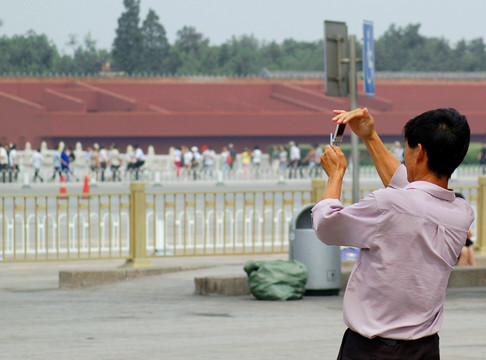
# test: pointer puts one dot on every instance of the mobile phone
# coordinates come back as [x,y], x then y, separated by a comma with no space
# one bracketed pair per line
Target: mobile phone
[338,135]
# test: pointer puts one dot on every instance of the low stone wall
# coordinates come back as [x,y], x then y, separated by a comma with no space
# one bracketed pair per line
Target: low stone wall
[237,285]
[467,276]
[75,279]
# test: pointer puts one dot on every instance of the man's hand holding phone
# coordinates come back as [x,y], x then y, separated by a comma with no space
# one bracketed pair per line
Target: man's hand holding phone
[360,121]
[333,161]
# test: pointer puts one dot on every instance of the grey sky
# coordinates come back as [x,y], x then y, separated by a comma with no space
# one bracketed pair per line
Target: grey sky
[267,20]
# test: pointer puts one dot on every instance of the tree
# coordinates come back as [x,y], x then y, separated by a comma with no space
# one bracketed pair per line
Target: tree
[86,59]
[29,53]
[458,55]
[89,59]
[155,47]
[192,49]
[127,46]
[476,50]
[189,41]
[272,55]
[245,56]
[302,56]
[224,55]
[394,49]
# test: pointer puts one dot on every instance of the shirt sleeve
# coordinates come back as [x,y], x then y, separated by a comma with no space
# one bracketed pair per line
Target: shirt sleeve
[354,225]
[399,178]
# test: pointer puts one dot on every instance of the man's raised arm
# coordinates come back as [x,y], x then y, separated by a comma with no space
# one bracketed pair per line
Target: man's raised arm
[363,125]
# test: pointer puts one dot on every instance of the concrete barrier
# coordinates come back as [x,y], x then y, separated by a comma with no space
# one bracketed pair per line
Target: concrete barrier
[222,285]
[474,276]
[467,276]
[75,279]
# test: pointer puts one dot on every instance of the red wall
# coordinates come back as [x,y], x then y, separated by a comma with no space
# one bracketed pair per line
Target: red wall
[165,113]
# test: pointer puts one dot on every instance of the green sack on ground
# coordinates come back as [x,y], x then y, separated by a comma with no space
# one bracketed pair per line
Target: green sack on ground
[276,279]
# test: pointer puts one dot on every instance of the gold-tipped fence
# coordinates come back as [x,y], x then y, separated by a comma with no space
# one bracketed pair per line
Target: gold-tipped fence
[137,225]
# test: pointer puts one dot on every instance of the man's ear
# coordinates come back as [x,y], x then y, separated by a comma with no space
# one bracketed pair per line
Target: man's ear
[421,153]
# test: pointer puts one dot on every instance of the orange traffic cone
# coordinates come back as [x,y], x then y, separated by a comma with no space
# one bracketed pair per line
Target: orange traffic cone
[86,188]
[62,190]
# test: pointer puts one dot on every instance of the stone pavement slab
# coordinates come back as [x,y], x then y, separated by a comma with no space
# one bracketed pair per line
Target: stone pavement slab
[160,317]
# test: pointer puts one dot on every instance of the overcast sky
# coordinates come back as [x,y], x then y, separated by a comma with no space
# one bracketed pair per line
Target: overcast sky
[267,20]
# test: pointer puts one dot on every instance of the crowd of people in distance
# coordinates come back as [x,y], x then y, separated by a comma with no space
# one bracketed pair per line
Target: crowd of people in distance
[107,164]
[195,163]
[103,162]
[187,161]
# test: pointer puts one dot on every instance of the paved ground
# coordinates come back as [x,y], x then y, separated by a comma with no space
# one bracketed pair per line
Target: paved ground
[159,317]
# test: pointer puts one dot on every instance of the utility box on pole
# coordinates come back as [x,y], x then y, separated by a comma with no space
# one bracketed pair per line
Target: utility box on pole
[341,78]
[335,50]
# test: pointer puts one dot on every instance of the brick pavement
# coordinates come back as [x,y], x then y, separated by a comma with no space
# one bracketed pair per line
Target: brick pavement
[159,317]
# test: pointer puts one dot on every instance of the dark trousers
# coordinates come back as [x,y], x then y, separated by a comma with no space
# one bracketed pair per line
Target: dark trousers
[357,347]
[37,176]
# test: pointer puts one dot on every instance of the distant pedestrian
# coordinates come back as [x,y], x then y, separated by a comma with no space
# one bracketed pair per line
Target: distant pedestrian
[72,159]
[3,162]
[310,157]
[196,162]
[256,158]
[208,161]
[186,161]
[397,151]
[283,160]
[227,161]
[275,158]
[65,164]
[56,163]
[103,161]
[138,160]
[94,160]
[13,163]
[294,159]
[177,159]
[115,162]
[467,253]
[89,154]
[232,151]
[245,162]
[37,160]
[294,155]
[313,159]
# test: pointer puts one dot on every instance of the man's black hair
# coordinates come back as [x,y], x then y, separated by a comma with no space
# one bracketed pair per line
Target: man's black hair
[444,134]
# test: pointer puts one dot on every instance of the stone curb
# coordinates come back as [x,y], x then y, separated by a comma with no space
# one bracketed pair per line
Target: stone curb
[222,285]
[468,276]
[238,285]
[76,279]
[226,285]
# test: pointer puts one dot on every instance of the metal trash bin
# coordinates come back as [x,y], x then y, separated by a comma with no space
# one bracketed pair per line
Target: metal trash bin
[323,262]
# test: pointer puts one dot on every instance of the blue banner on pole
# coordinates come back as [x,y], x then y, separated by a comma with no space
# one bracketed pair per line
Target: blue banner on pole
[368,59]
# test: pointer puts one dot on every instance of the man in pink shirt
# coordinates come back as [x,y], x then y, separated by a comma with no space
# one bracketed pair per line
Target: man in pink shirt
[410,234]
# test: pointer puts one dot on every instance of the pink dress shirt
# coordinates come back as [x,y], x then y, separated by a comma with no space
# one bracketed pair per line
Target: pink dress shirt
[411,235]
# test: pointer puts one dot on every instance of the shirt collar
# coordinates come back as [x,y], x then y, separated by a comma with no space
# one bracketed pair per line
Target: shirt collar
[432,189]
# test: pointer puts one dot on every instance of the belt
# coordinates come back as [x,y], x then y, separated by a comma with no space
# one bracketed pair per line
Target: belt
[389,342]
[393,342]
